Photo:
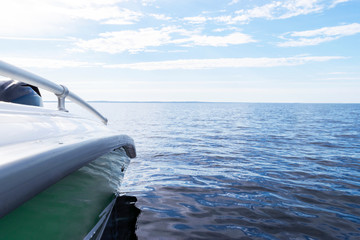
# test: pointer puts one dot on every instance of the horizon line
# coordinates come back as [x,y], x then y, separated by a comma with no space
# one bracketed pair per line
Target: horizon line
[117,101]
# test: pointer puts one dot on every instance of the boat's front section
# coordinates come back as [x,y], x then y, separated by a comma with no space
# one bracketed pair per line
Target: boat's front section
[50,155]
[59,173]
[71,208]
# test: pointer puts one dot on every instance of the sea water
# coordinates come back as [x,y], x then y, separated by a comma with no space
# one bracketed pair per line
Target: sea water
[243,170]
[232,171]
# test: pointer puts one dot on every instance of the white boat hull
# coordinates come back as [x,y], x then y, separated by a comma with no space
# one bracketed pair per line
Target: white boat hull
[71,208]
[39,147]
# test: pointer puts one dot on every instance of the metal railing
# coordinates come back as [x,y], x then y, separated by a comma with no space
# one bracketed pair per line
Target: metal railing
[60,91]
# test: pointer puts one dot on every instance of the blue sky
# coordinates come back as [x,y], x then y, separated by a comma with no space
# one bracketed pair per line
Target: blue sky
[199,50]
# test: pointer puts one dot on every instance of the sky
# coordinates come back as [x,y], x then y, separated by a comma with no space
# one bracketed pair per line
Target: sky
[189,50]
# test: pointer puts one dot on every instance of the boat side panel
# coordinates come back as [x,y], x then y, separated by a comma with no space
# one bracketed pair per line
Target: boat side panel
[24,178]
[38,147]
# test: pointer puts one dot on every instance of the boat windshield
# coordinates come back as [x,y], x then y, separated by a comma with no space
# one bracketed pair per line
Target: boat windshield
[19,92]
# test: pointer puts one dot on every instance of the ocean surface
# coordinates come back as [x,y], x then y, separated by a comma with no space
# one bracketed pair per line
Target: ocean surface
[213,171]
[242,170]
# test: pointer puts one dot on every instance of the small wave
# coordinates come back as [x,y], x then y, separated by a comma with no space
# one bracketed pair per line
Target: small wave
[325,144]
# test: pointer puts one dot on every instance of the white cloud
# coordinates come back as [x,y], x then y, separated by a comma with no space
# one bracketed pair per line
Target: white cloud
[106,14]
[317,36]
[185,64]
[16,18]
[338,73]
[47,63]
[160,17]
[82,3]
[34,18]
[147,2]
[265,11]
[233,2]
[37,39]
[196,20]
[131,41]
[280,10]
[217,41]
[196,64]
[142,39]
[342,79]
[294,8]
[344,30]
[271,10]
[336,2]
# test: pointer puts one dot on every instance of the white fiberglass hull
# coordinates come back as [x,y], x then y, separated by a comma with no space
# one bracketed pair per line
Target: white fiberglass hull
[70,208]
[39,147]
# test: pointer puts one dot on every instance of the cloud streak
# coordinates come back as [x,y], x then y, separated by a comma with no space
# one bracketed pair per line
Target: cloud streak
[198,64]
[216,41]
[181,64]
[336,2]
[106,14]
[271,11]
[48,63]
[317,36]
[134,41]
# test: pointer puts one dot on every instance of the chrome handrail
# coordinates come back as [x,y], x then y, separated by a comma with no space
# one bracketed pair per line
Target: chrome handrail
[60,91]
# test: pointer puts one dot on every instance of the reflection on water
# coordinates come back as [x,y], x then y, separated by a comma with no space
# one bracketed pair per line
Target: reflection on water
[122,221]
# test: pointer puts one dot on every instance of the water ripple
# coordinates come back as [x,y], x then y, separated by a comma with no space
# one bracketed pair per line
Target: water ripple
[243,171]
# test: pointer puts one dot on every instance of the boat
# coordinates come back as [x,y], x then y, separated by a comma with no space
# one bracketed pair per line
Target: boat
[60,173]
